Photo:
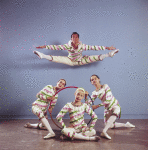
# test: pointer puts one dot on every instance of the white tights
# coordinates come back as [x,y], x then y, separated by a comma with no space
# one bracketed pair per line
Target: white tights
[47,125]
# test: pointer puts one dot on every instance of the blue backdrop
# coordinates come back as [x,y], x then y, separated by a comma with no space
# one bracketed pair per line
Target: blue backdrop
[25,24]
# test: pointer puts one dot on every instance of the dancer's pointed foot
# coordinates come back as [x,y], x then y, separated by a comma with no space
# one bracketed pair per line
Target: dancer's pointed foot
[49,135]
[112,53]
[104,134]
[40,55]
[129,125]
[100,57]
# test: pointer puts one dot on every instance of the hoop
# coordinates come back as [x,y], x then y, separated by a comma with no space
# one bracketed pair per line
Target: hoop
[57,93]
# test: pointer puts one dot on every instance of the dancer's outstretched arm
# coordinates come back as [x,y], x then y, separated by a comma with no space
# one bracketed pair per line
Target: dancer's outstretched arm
[85,47]
[96,47]
[55,47]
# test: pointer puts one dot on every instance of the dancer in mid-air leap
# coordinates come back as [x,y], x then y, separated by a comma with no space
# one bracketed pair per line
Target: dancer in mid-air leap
[75,49]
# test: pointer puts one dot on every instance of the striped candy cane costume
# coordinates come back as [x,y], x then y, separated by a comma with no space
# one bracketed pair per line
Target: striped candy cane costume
[75,55]
[76,114]
[112,109]
[108,101]
[39,107]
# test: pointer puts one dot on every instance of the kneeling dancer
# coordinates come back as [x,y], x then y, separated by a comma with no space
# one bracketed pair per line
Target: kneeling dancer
[39,107]
[112,108]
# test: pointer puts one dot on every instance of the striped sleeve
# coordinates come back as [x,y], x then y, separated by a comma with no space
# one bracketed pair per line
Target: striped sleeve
[88,102]
[106,102]
[44,93]
[110,99]
[61,114]
[107,96]
[95,47]
[53,103]
[92,114]
[58,47]
[93,97]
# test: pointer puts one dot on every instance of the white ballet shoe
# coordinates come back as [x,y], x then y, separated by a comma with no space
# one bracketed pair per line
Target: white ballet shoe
[112,53]
[28,125]
[49,135]
[129,125]
[104,134]
[100,58]
[40,55]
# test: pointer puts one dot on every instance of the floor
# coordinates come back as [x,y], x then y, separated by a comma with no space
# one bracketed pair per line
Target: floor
[13,136]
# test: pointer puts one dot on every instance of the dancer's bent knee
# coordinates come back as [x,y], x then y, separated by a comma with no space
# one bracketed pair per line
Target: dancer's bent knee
[69,132]
[38,112]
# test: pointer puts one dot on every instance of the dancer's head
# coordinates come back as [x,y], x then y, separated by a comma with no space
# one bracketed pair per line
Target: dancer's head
[61,83]
[79,94]
[75,37]
[94,79]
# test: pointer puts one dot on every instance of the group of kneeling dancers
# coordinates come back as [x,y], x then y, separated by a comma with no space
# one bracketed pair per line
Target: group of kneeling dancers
[78,129]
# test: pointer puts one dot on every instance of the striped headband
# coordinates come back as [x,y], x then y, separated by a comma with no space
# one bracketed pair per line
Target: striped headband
[80,89]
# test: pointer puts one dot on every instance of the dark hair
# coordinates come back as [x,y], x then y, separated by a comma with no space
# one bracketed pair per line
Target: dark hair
[74,33]
[64,80]
[94,75]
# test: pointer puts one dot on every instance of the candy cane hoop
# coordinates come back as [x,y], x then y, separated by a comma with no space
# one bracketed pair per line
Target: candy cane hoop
[60,91]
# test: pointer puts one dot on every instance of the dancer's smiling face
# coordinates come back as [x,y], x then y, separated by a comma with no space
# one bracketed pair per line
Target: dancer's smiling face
[61,84]
[75,38]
